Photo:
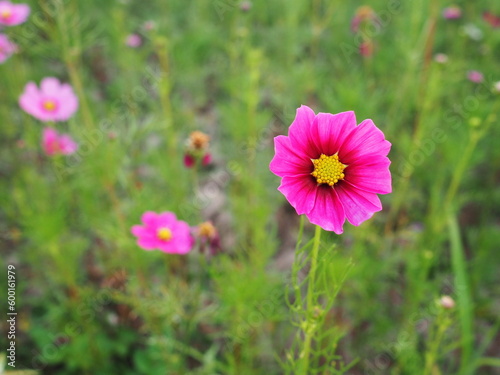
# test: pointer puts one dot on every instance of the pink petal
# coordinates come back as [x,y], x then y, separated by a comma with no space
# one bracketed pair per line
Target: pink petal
[188,161]
[358,204]
[300,191]
[150,219]
[68,103]
[167,219]
[328,212]
[68,146]
[147,244]
[372,176]
[332,130]
[366,139]
[50,86]
[300,133]
[49,135]
[286,161]
[20,13]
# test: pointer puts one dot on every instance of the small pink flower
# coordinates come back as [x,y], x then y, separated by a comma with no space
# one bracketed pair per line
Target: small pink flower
[364,14]
[366,49]
[13,14]
[331,168]
[452,12]
[149,25]
[441,58]
[206,160]
[208,236]
[475,76]
[57,144]
[133,40]
[52,102]
[163,232]
[197,148]
[189,161]
[7,48]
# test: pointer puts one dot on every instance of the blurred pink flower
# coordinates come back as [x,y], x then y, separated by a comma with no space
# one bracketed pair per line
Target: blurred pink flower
[452,12]
[7,48]
[366,49]
[447,302]
[441,58]
[364,14]
[189,161]
[54,143]
[133,40]
[331,168]
[492,19]
[149,25]
[208,236]
[13,14]
[163,232]
[52,102]
[197,148]
[475,76]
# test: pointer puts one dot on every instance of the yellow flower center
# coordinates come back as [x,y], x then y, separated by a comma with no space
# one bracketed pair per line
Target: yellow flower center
[164,234]
[49,105]
[5,14]
[328,169]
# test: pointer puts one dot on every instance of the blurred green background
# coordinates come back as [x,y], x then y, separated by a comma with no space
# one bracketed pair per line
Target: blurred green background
[90,301]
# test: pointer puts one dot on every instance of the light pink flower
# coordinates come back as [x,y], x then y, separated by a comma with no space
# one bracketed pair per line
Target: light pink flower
[133,40]
[7,48]
[475,76]
[13,14]
[163,232]
[452,12]
[331,168]
[441,58]
[364,14]
[52,102]
[149,25]
[54,143]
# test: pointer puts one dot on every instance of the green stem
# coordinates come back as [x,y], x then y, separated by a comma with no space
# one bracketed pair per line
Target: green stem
[460,169]
[462,291]
[310,328]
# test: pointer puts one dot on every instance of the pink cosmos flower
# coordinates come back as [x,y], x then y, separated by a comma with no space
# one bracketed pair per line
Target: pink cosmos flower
[475,76]
[52,102]
[452,12]
[133,40]
[13,14]
[364,14]
[331,168]
[54,143]
[163,232]
[7,48]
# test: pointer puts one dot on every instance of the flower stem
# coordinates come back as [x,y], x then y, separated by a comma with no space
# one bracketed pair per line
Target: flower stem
[310,326]
[465,306]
